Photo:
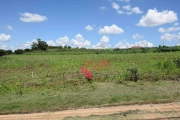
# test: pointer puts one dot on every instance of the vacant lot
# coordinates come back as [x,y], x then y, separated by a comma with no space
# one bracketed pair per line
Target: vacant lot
[34,83]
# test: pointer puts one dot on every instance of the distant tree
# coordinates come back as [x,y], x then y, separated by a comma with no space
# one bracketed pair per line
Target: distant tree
[83,48]
[2,52]
[61,47]
[18,51]
[39,45]
[69,47]
[9,52]
[34,46]
[65,46]
[27,50]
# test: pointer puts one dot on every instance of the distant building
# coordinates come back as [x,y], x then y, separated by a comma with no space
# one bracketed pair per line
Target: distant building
[136,47]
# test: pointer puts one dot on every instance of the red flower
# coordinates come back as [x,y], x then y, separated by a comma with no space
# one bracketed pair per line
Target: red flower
[86,73]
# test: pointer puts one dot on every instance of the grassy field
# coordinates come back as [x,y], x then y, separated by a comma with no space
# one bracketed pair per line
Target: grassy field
[35,83]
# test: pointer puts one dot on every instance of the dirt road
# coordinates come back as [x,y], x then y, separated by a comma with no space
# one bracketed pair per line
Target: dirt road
[148,111]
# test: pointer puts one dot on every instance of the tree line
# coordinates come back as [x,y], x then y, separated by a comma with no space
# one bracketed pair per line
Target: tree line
[43,46]
[36,46]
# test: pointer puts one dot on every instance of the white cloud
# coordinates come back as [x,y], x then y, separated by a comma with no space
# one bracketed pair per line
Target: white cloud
[51,43]
[89,28]
[129,10]
[170,37]
[104,43]
[4,37]
[127,7]
[103,8]
[171,29]
[136,10]
[9,27]
[115,6]
[176,24]
[4,47]
[143,43]
[137,36]
[79,41]
[114,29]
[162,30]
[29,17]
[120,12]
[155,18]
[63,41]
[124,44]
[27,45]
[124,0]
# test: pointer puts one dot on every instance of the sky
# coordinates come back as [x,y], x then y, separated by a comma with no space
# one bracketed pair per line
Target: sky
[94,24]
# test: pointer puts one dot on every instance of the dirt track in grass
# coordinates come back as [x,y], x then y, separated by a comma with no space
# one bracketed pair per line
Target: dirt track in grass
[148,111]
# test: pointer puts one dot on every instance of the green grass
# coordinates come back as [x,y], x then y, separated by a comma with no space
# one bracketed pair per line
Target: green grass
[35,83]
[104,94]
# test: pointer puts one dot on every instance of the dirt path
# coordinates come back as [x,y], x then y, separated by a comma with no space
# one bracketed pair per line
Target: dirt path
[149,111]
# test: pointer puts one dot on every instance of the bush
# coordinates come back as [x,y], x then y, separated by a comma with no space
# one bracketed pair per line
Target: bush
[132,74]
[166,64]
[177,62]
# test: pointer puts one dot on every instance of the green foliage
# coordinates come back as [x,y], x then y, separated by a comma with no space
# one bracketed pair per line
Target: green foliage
[2,52]
[39,45]
[8,52]
[177,62]
[167,49]
[27,50]
[19,51]
[132,74]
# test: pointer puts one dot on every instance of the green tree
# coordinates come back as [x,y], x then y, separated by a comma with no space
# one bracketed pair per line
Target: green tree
[27,50]
[2,52]
[9,52]
[39,45]
[65,46]
[18,51]
[69,47]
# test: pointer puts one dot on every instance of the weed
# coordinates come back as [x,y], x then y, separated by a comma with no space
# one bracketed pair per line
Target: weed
[132,74]
[20,92]
[167,64]
[177,62]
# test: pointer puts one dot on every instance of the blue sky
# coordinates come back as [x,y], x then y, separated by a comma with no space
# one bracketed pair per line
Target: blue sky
[89,23]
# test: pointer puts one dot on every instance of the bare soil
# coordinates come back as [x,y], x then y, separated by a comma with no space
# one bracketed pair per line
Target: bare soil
[169,111]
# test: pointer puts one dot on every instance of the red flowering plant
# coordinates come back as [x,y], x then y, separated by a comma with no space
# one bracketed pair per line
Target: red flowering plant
[86,73]
[93,65]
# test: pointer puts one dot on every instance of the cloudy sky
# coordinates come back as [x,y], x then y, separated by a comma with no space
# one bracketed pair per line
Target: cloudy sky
[89,23]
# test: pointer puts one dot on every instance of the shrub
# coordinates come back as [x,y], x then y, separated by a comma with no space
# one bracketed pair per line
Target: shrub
[166,64]
[177,62]
[86,73]
[132,74]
